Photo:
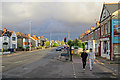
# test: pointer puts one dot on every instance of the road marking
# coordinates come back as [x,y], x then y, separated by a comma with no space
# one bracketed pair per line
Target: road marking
[100,62]
[74,71]
[18,61]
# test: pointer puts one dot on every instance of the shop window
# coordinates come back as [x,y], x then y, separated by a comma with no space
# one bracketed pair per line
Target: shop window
[116,49]
[105,47]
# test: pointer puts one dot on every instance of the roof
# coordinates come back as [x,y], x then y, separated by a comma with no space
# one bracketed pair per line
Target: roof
[35,38]
[112,7]
[1,33]
[21,35]
[43,39]
[9,33]
[108,9]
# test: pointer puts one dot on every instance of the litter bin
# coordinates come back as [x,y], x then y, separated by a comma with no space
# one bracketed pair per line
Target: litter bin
[11,50]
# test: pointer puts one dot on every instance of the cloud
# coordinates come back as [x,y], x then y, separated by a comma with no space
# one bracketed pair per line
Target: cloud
[51,16]
[63,11]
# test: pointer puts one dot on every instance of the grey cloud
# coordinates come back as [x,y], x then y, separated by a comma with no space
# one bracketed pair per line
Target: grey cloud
[50,16]
[66,12]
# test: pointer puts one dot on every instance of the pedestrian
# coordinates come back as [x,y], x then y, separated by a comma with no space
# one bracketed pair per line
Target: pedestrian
[91,57]
[84,58]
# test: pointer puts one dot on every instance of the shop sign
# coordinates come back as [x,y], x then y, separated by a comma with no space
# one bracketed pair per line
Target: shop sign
[104,39]
[116,30]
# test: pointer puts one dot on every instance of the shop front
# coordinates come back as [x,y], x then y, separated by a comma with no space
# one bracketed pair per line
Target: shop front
[105,48]
[116,34]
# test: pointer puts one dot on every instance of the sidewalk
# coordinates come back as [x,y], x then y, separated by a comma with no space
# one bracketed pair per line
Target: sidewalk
[20,52]
[103,60]
[112,65]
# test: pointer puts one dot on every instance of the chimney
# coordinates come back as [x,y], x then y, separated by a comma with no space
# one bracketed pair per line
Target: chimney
[42,36]
[34,35]
[5,29]
[28,35]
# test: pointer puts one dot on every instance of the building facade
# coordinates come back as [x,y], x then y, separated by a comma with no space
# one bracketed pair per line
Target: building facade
[22,40]
[106,30]
[8,39]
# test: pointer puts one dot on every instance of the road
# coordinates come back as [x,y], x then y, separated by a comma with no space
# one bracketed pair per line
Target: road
[46,64]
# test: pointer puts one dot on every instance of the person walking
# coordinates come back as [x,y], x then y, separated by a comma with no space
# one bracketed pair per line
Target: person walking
[91,57]
[84,58]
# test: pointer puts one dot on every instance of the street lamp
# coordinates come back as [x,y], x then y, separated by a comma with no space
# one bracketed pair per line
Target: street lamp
[30,34]
[2,42]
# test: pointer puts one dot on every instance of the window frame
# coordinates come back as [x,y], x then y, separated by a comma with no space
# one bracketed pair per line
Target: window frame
[14,39]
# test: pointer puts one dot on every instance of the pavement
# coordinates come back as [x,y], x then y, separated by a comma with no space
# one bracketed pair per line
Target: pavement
[113,65]
[47,64]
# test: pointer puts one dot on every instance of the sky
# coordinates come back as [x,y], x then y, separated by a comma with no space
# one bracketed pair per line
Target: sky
[50,15]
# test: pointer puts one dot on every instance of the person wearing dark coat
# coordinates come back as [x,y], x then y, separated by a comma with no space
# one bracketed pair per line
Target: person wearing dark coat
[84,56]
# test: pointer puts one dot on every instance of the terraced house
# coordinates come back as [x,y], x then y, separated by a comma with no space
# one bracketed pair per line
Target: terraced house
[34,40]
[8,39]
[105,38]
[22,40]
[110,31]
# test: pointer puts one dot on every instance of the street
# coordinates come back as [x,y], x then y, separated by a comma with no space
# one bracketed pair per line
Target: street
[46,64]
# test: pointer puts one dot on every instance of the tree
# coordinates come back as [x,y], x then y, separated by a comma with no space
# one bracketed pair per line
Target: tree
[70,43]
[62,42]
[47,43]
[76,42]
[55,45]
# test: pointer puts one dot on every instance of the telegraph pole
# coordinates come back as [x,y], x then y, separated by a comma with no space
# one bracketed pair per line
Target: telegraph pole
[2,42]
[50,39]
[68,35]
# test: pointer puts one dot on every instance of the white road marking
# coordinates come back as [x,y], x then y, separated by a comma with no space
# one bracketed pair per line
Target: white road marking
[74,71]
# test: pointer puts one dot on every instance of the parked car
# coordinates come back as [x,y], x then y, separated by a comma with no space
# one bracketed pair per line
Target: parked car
[62,47]
[58,48]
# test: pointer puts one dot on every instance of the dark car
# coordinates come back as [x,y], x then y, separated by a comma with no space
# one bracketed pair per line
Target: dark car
[58,49]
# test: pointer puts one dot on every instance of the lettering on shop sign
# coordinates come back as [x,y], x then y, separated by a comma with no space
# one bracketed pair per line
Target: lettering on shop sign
[104,39]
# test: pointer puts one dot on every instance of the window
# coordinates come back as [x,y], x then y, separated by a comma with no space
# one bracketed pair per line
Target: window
[5,37]
[13,38]
[105,47]
[102,30]
[108,26]
[13,45]
[96,35]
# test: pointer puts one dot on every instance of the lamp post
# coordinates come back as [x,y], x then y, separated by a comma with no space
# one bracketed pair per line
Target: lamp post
[2,42]
[30,35]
